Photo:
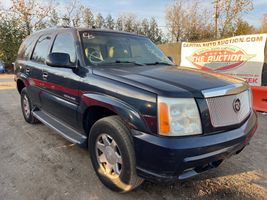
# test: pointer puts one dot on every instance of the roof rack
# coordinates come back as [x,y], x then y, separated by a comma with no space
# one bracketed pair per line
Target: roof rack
[62,27]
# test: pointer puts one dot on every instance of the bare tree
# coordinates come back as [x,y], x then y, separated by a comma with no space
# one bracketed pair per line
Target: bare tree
[263,27]
[73,14]
[192,21]
[175,16]
[229,13]
[31,12]
[186,22]
[206,29]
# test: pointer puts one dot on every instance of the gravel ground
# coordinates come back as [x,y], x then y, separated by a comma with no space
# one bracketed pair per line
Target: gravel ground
[36,163]
[7,81]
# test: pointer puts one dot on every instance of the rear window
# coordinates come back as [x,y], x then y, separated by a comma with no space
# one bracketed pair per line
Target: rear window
[26,48]
[42,49]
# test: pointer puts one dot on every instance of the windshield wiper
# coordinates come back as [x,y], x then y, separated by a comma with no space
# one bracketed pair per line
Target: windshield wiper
[124,61]
[159,63]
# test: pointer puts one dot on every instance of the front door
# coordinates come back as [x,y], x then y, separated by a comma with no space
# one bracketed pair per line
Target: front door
[60,92]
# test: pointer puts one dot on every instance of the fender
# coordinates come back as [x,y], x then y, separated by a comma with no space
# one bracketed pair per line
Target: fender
[23,77]
[127,113]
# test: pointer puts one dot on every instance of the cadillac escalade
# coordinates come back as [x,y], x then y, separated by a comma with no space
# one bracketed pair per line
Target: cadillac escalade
[139,115]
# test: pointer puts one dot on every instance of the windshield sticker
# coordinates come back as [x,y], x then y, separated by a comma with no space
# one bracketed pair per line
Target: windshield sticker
[88,36]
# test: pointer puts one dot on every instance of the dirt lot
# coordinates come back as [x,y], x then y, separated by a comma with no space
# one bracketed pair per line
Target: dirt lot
[6,82]
[36,163]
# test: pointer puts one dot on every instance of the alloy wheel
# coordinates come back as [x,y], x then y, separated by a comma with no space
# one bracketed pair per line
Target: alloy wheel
[26,106]
[108,155]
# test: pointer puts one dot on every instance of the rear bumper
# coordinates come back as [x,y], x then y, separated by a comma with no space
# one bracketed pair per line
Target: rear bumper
[170,159]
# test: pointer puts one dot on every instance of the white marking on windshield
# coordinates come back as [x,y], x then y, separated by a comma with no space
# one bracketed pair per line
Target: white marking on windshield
[88,36]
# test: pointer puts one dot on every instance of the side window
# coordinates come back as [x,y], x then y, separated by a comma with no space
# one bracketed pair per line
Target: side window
[41,49]
[64,43]
[22,49]
[26,48]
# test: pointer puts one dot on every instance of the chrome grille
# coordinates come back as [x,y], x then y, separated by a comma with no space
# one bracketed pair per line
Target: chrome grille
[222,111]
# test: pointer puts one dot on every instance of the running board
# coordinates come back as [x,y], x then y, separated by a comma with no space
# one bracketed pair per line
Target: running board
[67,132]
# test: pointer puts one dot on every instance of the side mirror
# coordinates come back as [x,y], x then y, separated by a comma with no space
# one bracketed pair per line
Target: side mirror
[59,60]
[170,58]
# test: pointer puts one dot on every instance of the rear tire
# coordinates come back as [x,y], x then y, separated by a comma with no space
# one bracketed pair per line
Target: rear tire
[112,154]
[26,107]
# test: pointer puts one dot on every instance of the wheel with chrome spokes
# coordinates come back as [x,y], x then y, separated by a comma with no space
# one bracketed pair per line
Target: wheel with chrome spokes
[112,154]
[108,155]
[26,106]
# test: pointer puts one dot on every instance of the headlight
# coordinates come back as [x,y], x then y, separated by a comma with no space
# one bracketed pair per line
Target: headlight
[178,117]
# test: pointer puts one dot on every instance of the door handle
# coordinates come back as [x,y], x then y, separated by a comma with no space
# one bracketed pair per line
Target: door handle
[45,75]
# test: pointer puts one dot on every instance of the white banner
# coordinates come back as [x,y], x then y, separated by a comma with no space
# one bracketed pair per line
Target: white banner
[241,56]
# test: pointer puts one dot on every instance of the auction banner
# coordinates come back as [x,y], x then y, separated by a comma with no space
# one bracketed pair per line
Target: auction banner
[241,56]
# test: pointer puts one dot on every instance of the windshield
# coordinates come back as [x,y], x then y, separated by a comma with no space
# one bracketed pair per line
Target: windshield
[102,48]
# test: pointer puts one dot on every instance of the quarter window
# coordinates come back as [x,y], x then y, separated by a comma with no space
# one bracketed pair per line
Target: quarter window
[26,48]
[64,43]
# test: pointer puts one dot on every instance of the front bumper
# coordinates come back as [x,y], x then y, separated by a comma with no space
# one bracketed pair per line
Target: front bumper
[169,159]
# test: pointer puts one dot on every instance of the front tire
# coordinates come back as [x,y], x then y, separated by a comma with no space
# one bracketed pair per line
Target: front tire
[26,107]
[112,154]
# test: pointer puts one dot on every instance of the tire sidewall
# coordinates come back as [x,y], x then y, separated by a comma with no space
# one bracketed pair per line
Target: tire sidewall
[125,176]
[29,119]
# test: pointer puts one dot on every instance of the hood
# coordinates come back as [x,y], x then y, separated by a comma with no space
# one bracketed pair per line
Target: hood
[168,81]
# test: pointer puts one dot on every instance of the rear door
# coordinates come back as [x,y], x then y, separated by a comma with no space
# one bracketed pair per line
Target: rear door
[60,92]
[34,57]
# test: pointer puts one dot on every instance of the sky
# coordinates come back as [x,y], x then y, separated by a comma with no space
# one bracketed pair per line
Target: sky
[157,8]
[153,8]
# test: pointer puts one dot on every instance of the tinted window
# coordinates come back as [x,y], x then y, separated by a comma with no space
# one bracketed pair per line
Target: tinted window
[64,43]
[26,48]
[41,49]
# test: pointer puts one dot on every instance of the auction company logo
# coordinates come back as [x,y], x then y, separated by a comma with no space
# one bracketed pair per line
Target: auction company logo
[219,58]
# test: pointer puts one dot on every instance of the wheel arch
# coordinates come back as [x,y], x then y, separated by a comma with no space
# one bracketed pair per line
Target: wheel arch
[99,112]
[20,85]
[103,106]
[21,81]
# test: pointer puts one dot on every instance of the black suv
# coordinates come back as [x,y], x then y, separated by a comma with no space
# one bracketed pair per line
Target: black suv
[140,116]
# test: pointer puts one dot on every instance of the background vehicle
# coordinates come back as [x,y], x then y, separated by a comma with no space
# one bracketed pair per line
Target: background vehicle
[140,116]
[2,67]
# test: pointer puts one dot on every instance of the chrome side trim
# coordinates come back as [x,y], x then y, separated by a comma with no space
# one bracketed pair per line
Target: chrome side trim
[60,122]
[225,90]
[58,130]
